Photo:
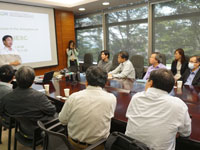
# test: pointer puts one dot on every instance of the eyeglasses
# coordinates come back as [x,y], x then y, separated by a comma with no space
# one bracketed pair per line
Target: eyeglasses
[193,62]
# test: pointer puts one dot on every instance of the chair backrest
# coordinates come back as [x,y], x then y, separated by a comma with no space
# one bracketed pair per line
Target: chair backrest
[138,64]
[114,62]
[53,139]
[119,141]
[99,58]
[27,127]
[88,59]
[187,58]
[163,59]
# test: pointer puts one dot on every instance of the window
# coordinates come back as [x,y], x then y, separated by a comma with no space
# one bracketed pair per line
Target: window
[177,25]
[89,36]
[128,30]
[89,41]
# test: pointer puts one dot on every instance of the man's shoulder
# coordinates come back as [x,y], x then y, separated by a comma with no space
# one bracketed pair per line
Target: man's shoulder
[100,62]
[108,96]
[175,102]
[128,62]
[139,95]
[35,92]
[162,66]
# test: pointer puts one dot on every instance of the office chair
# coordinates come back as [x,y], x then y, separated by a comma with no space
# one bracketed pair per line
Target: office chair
[163,59]
[119,141]
[114,62]
[27,132]
[88,61]
[138,64]
[54,134]
[7,122]
[54,139]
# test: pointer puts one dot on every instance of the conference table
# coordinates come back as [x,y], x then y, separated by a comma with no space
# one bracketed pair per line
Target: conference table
[124,89]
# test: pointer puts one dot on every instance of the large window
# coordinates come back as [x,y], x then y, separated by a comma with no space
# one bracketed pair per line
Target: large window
[89,36]
[89,41]
[128,30]
[177,25]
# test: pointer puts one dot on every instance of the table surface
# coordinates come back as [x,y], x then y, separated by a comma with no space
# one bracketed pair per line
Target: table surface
[124,89]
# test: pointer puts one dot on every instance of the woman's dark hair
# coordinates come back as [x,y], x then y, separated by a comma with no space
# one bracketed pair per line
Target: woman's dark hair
[163,79]
[96,76]
[106,52]
[71,41]
[181,52]
[6,73]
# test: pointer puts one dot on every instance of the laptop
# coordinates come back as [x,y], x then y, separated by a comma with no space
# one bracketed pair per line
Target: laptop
[45,79]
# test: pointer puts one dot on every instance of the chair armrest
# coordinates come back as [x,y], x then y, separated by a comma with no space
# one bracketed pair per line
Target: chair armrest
[91,147]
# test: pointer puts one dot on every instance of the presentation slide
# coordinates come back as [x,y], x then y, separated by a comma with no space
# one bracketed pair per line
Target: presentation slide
[33,32]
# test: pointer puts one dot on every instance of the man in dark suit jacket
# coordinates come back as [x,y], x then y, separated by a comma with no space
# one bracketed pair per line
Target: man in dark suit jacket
[25,101]
[192,74]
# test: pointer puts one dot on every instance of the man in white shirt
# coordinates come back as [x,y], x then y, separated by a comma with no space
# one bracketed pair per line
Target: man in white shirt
[125,68]
[88,113]
[8,55]
[155,117]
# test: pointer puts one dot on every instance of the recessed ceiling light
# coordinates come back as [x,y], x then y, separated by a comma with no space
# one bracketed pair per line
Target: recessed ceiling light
[81,9]
[66,1]
[105,3]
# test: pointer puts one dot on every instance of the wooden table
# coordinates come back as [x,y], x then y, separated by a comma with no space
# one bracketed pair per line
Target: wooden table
[124,90]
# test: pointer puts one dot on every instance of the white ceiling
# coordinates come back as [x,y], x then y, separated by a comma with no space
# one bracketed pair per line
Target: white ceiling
[74,5]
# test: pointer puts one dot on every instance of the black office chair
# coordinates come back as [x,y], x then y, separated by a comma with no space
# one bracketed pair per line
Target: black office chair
[114,62]
[119,141]
[54,134]
[27,132]
[99,57]
[138,63]
[6,122]
[88,61]
[187,58]
[163,59]
[54,139]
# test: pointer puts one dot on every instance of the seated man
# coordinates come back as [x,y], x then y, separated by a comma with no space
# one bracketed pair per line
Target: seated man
[125,68]
[25,101]
[155,61]
[6,77]
[155,117]
[105,63]
[192,74]
[8,55]
[88,113]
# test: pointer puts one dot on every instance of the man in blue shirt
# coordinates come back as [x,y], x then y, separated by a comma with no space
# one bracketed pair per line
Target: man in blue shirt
[192,74]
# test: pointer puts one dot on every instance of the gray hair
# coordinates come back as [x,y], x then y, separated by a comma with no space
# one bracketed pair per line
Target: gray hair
[158,57]
[25,77]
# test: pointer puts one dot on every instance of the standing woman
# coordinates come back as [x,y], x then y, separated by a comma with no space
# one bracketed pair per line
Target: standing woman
[72,55]
[180,64]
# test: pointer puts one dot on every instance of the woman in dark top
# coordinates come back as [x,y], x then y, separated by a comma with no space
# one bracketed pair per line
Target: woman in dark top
[180,64]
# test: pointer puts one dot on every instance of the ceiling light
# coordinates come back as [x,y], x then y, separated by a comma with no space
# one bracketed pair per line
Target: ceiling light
[65,1]
[81,9]
[105,3]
